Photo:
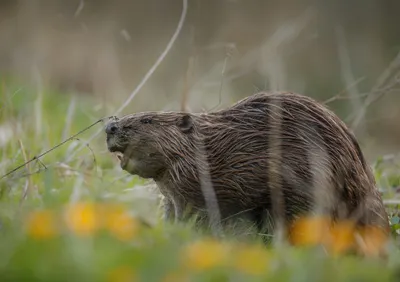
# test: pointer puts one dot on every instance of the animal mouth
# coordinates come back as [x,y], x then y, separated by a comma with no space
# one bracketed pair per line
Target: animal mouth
[115,149]
[119,155]
[119,151]
[120,148]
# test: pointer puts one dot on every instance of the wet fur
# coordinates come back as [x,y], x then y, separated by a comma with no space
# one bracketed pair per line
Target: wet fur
[266,149]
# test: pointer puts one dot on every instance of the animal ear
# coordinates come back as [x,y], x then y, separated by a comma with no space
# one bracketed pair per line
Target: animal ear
[185,123]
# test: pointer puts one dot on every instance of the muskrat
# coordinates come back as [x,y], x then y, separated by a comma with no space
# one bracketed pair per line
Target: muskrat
[269,157]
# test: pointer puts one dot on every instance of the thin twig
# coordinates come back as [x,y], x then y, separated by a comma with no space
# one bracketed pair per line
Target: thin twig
[94,156]
[378,94]
[41,163]
[149,73]
[339,95]
[159,60]
[28,183]
[53,148]
[385,76]
[227,56]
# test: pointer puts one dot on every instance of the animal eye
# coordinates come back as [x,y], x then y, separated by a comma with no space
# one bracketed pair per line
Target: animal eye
[145,120]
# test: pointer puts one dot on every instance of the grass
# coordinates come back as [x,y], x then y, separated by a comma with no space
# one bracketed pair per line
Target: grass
[85,219]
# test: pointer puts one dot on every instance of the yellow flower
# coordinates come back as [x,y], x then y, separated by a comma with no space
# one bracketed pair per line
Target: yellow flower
[120,224]
[42,225]
[310,231]
[205,254]
[373,240]
[341,237]
[82,218]
[252,260]
[122,274]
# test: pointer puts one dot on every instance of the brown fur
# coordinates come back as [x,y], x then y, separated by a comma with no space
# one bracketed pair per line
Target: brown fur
[268,157]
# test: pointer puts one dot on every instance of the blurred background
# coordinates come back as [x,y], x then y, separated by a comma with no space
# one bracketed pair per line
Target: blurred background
[341,51]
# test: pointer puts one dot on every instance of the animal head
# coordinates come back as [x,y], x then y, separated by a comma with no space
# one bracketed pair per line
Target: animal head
[149,141]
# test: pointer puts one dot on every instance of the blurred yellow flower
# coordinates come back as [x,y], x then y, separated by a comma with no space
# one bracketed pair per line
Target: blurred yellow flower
[341,237]
[42,225]
[122,274]
[251,260]
[373,240]
[205,254]
[338,237]
[120,224]
[310,231]
[82,218]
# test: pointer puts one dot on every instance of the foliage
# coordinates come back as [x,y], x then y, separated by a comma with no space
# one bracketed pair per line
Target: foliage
[84,219]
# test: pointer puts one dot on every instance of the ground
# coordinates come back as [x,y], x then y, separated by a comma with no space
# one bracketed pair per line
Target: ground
[76,216]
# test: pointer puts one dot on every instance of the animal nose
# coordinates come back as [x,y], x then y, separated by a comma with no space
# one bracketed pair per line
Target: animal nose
[111,128]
